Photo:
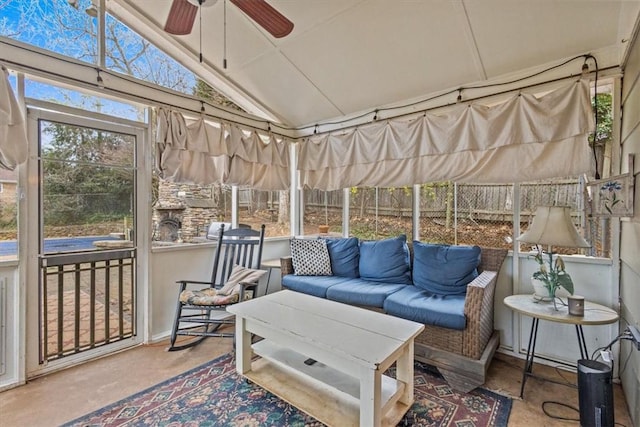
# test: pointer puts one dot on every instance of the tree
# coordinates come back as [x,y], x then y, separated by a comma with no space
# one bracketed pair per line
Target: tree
[88,174]
[58,26]
[63,26]
[203,91]
[602,106]
[600,140]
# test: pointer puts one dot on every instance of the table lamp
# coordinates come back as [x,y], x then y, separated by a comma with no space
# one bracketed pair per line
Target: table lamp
[552,226]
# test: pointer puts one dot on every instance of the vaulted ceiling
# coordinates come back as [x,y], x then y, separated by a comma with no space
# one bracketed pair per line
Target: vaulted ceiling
[344,57]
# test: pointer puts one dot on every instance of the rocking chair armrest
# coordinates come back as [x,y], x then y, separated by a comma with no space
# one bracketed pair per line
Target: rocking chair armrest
[194,282]
[254,283]
[249,285]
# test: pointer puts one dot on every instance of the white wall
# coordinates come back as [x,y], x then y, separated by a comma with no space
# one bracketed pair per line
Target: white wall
[557,342]
[10,326]
[630,228]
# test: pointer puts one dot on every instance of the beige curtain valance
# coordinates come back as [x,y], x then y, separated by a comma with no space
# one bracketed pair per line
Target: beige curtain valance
[197,151]
[525,138]
[13,128]
[258,161]
[189,153]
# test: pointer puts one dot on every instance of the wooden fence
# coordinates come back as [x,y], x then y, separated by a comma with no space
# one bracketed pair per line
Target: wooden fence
[488,202]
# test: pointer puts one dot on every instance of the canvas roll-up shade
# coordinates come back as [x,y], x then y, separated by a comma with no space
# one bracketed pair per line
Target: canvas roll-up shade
[525,138]
[259,162]
[190,152]
[13,129]
[197,151]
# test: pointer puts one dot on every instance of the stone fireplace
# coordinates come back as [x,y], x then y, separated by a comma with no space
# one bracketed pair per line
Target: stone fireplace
[184,212]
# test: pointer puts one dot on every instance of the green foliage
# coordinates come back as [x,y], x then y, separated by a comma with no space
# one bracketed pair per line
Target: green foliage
[605,118]
[87,173]
[363,233]
[9,217]
[365,230]
[205,92]
[554,275]
[428,191]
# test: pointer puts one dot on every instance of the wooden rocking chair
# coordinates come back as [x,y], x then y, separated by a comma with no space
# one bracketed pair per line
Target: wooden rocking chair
[201,312]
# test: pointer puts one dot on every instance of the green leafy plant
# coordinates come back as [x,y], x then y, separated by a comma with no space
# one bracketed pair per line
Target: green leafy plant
[552,272]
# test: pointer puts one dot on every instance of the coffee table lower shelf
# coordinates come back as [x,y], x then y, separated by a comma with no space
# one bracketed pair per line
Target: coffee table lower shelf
[325,393]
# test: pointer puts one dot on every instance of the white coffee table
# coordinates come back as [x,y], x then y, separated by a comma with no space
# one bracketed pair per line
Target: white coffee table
[353,347]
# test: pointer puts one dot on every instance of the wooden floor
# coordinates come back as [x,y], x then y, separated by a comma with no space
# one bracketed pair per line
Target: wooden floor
[63,396]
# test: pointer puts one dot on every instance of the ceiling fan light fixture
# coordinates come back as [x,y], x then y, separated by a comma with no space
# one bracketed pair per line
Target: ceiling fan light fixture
[203,3]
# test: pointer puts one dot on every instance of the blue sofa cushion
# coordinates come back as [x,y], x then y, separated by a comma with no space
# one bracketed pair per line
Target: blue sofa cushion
[422,306]
[312,285]
[444,269]
[385,260]
[345,256]
[362,292]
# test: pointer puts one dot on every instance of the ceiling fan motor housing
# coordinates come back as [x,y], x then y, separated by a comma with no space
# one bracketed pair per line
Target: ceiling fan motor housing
[203,3]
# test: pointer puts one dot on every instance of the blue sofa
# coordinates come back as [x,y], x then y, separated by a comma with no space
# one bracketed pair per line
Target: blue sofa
[447,288]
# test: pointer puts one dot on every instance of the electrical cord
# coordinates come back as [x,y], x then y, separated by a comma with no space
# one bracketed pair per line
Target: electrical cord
[559,370]
[558,417]
[608,346]
[625,335]
[626,361]
[595,113]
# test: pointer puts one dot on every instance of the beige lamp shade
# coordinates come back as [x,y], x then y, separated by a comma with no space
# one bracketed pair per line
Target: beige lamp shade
[552,226]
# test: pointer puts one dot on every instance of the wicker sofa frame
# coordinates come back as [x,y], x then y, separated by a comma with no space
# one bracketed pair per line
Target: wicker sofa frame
[461,356]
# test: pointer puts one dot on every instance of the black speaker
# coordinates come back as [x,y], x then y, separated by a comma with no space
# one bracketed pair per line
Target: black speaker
[595,393]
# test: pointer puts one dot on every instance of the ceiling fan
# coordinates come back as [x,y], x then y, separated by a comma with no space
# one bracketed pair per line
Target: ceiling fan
[183,14]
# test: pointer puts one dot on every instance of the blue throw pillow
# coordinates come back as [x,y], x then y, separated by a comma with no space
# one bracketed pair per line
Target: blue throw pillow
[444,269]
[385,260]
[345,256]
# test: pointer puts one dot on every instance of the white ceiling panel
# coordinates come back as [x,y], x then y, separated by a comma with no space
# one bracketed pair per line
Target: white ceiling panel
[518,35]
[348,56]
[389,55]
[274,78]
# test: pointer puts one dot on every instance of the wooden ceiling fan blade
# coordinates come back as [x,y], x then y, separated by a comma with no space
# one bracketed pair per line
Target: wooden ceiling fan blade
[266,16]
[181,17]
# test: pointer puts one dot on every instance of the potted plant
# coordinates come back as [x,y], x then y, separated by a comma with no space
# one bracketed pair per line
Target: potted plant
[551,274]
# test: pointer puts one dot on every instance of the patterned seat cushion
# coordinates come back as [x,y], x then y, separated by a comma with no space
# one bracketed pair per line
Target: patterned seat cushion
[208,297]
[228,294]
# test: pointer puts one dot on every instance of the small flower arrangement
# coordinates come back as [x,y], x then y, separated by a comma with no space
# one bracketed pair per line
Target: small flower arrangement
[609,195]
[552,273]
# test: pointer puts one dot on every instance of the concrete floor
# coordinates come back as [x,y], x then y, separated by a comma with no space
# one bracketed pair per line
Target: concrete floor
[63,396]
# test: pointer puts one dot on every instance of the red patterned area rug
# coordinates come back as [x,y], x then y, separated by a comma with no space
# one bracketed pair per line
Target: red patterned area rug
[215,395]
